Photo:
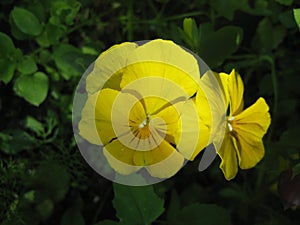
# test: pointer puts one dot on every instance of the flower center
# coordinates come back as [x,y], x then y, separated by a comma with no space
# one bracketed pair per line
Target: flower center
[145,122]
[229,123]
[142,130]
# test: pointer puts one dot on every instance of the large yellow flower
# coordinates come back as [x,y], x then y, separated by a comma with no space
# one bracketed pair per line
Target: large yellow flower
[140,108]
[242,144]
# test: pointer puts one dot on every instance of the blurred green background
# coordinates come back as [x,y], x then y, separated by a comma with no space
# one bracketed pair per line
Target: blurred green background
[46,45]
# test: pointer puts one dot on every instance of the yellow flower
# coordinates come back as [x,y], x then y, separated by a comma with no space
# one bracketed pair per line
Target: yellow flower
[140,108]
[242,144]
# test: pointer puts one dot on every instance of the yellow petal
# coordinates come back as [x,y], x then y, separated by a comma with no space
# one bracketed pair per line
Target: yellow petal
[120,157]
[250,127]
[223,80]
[168,52]
[104,103]
[162,162]
[257,114]
[166,161]
[155,92]
[167,73]
[109,63]
[170,116]
[203,108]
[227,153]
[233,89]
[192,133]
[166,60]
[236,91]
[203,141]
[212,107]
[87,126]
[126,114]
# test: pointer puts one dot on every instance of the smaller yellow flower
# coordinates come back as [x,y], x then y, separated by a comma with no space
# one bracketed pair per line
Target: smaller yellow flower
[242,144]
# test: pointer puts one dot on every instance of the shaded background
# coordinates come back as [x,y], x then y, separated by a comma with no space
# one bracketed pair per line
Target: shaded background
[45,46]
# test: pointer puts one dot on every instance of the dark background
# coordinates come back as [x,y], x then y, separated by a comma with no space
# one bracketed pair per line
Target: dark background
[45,46]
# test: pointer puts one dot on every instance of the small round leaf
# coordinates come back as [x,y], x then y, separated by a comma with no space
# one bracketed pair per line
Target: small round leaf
[33,88]
[27,65]
[6,45]
[26,21]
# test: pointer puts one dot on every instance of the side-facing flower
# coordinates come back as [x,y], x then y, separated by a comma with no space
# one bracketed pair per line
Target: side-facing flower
[140,108]
[242,144]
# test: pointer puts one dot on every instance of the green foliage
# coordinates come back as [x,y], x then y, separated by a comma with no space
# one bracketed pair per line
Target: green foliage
[25,22]
[33,88]
[209,44]
[297,16]
[45,47]
[202,213]
[137,205]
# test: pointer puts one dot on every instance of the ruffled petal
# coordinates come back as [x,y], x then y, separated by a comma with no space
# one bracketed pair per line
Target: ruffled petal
[233,89]
[107,67]
[168,52]
[120,157]
[87,124]
[257,114]
[249,128]
[227,153]
[223,80]
[166,161]
[170,119]
[160,78]
[162,162]
[236,91]
[211,105]
[104,102]
[155,92]
[166,60]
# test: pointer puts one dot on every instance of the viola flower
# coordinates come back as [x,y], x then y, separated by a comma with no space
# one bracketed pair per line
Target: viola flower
[140,108]
[242,145]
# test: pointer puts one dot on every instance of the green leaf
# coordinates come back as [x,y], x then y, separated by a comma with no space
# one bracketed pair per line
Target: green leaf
[269,36]
[34,125]
[63,12]
[190,28]
[72,216]
[16,33]
[29,196]
[6,45]
[208,214]
[287,19]
[190,34]
[8,54]
[227,8]
[137,205]
[217,46]
[71,61]
[45,208]
[297,16]
[51,35]
[27,65]
[33,88]
[7,70]
[26,22]
[15,141]
[52,178]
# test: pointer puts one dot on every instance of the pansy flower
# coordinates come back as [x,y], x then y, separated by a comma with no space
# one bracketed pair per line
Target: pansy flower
[140,108]
[242,145]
